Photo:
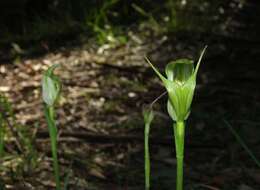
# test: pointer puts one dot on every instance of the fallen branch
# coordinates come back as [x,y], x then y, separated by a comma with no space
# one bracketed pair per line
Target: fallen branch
[103,139]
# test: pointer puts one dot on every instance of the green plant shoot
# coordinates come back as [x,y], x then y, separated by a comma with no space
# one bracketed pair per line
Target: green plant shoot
[51,88]
[148,118]
[180,83]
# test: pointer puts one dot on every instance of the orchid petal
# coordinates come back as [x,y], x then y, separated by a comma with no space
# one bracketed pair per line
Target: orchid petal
[179,70]
[199,61]
[164,80]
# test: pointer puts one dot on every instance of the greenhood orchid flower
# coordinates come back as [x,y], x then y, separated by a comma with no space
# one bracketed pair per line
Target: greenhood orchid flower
[180,84]
[51,89]
[51,86]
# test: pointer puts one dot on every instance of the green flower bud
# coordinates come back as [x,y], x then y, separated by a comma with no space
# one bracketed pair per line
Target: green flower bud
[180,85]
[51,86]
[148,116]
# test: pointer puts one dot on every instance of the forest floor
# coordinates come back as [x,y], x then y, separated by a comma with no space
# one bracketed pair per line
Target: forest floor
[100,114]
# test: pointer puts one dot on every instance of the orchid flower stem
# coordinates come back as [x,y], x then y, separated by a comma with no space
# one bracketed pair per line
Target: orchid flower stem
[179,134]
[50,117]
[147,156]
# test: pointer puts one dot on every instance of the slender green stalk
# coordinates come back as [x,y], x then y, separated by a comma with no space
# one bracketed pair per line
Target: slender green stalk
[148,118]
[147,156]
[179,134]
[50,117]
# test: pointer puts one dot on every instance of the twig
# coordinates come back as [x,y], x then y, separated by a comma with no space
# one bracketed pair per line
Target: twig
[209,187]
[103,139]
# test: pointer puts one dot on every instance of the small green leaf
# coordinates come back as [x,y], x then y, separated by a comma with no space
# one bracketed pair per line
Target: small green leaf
[148,115]
[171,111]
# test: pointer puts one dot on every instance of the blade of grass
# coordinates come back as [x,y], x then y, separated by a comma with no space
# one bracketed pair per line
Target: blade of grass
[67,177]
[242,143]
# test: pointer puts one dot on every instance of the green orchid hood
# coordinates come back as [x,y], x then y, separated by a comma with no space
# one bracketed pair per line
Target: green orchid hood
[51,86]
[180,83]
